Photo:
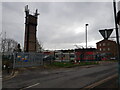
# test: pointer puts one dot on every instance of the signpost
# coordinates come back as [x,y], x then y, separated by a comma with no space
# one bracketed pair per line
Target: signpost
[118,22]
[117,38]
[107,32]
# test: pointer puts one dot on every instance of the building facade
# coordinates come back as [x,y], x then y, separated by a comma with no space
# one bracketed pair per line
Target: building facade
[107,48]
[76,55]
[88,54]
[64,55]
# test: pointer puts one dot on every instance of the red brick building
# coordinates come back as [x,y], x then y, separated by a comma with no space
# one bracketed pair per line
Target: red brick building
[107,48]
[85,54]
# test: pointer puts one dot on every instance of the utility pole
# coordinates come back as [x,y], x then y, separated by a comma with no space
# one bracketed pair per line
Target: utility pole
[118,45]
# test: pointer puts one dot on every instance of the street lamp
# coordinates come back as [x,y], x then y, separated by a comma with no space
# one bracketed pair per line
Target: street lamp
[86,34]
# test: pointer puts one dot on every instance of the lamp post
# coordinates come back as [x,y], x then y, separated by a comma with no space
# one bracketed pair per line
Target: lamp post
[86,34]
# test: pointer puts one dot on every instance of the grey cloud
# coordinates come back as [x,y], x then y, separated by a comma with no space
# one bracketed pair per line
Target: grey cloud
[58,21]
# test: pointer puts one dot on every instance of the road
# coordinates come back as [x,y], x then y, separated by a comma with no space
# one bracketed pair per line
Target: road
[77,77]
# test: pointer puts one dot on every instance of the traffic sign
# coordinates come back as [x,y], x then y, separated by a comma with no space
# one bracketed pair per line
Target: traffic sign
[106,33]
[102,32]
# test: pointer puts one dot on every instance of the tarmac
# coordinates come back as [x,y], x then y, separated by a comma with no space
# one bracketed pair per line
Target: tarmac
[109,83]
[8,75]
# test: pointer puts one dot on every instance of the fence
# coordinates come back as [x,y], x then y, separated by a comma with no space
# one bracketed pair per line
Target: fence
[23,59]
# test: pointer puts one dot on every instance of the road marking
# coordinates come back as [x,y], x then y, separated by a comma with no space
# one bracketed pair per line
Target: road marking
[30,86]
[102,81]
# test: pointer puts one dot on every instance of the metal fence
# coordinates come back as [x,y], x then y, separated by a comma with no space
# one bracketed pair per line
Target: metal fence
[23,59]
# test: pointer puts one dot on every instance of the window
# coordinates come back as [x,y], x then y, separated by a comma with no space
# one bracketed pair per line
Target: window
[100,44]
[72,55]
[103,44]
[108,49]
[56,56]
[103,49]
[63,55]
[100,49]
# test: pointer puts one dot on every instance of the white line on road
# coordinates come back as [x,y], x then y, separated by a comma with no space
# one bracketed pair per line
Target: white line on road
[30,86]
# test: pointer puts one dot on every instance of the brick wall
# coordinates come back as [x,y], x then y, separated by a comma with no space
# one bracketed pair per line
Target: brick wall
[107,47]
[30,33]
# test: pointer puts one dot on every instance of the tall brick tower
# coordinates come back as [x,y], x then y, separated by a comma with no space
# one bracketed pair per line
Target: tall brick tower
[30,31]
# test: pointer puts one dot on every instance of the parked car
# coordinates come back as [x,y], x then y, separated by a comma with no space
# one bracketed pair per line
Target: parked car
[113,58]
[48,57]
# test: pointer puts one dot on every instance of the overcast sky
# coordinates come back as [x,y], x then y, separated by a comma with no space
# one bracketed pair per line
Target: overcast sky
[61,25]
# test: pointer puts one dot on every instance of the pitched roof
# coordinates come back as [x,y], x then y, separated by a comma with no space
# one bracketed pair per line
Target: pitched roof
[104,40]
